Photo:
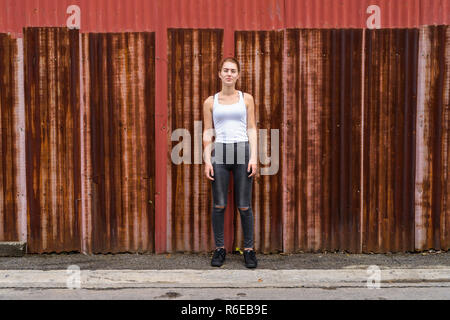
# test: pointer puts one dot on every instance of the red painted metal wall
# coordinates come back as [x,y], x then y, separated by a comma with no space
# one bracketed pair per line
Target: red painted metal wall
[149,15]
[334,95]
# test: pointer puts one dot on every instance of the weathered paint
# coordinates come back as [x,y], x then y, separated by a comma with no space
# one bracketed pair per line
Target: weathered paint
[52,139]
[145,15]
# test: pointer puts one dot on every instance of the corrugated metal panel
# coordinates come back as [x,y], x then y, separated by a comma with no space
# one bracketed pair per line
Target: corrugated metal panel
[389,139]
[261,55]
[9,213]
[52,142]
[193,57]
[119,113]
[321,140]
[432,212]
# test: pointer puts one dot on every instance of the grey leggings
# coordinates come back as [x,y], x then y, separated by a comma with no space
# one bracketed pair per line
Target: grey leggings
[226,158]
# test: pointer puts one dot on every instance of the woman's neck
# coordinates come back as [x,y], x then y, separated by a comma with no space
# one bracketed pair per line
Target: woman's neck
[228,91]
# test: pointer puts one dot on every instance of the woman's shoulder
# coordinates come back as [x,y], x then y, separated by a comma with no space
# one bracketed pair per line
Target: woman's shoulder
[247,96]
[208,104]
[209,100]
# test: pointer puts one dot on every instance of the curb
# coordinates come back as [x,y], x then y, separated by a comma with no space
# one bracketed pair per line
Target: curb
[12,248]
[101,279]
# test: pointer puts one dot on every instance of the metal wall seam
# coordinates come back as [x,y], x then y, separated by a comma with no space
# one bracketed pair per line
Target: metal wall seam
[363,73]
[85,146]
[161,129]
[20,144]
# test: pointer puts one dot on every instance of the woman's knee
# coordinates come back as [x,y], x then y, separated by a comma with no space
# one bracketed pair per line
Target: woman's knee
[246,210]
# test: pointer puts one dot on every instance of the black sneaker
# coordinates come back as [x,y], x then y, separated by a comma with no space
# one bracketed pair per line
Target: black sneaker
[250,258]
[218,257]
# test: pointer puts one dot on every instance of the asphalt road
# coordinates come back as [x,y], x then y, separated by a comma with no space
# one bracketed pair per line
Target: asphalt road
[393,293]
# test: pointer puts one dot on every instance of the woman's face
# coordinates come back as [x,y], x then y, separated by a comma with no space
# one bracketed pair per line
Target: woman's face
[229,73]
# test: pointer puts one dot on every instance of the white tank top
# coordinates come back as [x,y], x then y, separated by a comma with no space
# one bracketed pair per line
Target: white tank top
[230,120]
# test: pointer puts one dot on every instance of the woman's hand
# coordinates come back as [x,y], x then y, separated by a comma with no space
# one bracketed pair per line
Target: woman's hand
[252,168]
[209,171]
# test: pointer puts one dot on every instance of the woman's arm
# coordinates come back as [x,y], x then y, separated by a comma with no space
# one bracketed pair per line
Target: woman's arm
[208,131]
[252,135]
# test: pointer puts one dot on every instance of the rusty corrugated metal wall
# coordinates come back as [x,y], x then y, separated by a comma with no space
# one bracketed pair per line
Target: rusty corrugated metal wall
[52,116]
[323,83]
[118,83]
[362,114]
[193,58]
[302,84]
[352,130]
[115,149]
[261,56]
[9,213]
[390,96]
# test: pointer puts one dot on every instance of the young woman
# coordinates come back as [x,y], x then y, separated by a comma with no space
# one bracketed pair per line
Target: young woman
[234,150]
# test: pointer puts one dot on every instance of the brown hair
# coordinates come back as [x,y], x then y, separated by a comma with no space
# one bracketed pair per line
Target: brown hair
[229,59]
